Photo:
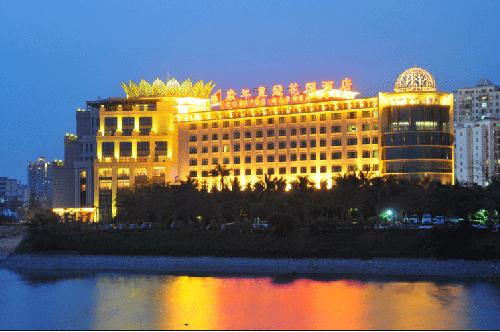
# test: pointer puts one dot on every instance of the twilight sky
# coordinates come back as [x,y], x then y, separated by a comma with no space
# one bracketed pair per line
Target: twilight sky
[55,55]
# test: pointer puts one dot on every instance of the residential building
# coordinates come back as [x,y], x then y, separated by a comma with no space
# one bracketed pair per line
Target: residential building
[477,103]
[168,131]
[477,147]
[41,180]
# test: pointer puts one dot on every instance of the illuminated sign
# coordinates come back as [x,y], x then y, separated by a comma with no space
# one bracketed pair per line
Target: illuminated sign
[259,97]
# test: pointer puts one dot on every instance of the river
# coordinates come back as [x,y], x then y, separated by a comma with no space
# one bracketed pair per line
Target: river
[150,301]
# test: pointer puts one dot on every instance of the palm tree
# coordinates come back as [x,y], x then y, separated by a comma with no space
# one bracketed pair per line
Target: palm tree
[221,172]
[302,183]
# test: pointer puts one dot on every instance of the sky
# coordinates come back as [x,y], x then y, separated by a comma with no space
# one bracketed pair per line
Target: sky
[55,55]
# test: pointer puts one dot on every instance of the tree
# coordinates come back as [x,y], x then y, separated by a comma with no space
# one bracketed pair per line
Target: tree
[221,172]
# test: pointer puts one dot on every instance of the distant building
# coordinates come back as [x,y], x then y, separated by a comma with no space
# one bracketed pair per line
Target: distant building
[41,180]
[477,103]
[477,152]
[11,189]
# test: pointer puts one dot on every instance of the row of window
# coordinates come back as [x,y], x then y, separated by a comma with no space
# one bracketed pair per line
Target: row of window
[282,119]
[283,132]
[283,145]
[143,149]
[283,158]
[293,170]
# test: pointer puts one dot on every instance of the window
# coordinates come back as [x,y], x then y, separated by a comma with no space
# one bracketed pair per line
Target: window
[248,134]
[259,134]
[236,148]
[215,148]
[322,117]
[270,133]
[248,146]
[193,174]
[237,172]
[336,129]
[303,169]
[145,124]
[375,140]
[248,171]
[293,119]
[204,138]
[365,154]
[313,156]
[192,162]
[351,128]
[282,158]
[352,154]
[258,122]
[204,149]
[259,159]
[303,156]
[303,144]
[248,159]
[225,124]
[192,126]
[258,146]
[313,117]
[352,168]
[322,142]
[160,148]
[365,127]
[366,168]
[204,174]
[270,171]
[215,125]
[215,137]
[143,149]
[293,144]
[282,170]
[192,138]
[336,142]
[336,116]
[366,140]
[193,150]
[351,115]
[236,160]
[204,125]
[336,169]
[225,148]
[125,149]
[322,156]
[225,160]
[322,169]
[312,130]
[322,130]
[352,141]
[303,118]
[110,125]
[337,155]
[248,122]
[293,131]
[270,120]
[236,134]
[365,114]
[282,119]
[127,126]
[293,170]
[312,143]
[270,159]
[313,169]
[204,161]
[215,161]
[236,123]
[282,132]
[282,144]
[270,146]
[225,137]
[258,171]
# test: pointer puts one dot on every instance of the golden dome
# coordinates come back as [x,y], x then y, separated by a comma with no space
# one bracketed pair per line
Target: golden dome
[415,79]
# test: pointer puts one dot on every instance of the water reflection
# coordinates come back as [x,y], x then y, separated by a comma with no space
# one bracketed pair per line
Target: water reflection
[111,301]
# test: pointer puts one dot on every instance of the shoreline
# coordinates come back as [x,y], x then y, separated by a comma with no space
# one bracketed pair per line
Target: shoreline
[378,267]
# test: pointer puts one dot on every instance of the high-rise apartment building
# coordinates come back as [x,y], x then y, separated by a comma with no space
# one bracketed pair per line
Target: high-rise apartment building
[477,133]
[477,103]
[41,180]
[477,152]
[164,132]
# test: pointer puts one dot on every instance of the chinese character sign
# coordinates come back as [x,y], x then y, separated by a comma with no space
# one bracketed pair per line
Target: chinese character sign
[346,84]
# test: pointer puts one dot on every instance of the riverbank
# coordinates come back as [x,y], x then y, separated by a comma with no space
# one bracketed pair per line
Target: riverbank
[393,267]
[10,238]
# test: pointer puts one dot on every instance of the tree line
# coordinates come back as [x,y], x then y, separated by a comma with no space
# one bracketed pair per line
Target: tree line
[354,199]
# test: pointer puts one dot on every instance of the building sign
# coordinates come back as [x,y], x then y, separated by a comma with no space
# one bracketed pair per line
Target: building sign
[276,96]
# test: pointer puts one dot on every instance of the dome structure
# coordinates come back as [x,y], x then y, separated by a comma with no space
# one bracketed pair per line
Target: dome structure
[415,79]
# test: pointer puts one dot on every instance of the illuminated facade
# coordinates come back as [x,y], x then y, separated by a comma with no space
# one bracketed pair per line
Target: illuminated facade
[165,132]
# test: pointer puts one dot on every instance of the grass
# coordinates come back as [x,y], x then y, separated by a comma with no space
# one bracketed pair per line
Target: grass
[441,244]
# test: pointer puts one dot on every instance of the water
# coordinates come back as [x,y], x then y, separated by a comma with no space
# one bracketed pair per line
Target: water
[125,301]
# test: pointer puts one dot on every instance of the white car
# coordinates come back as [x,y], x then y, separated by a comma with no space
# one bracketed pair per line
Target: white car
[438,220]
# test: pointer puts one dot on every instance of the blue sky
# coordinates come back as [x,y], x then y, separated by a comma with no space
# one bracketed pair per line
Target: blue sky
[55,55]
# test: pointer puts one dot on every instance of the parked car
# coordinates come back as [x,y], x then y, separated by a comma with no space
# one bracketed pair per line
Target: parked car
[260,225]
[132,227]
[438,220]
[146,225]
[480,226]
[413,219]
[426,219]
[454,221]
[120,227]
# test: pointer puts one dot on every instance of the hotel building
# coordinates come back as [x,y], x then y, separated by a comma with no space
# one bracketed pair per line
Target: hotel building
[166,132]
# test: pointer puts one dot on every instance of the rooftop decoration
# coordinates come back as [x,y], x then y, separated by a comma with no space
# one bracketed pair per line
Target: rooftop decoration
[415,79]
[171,88]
